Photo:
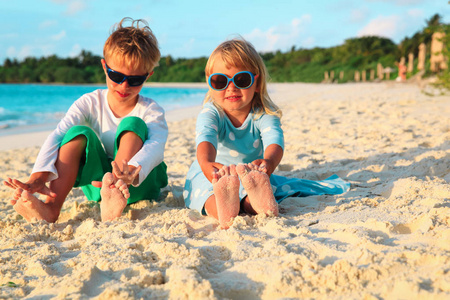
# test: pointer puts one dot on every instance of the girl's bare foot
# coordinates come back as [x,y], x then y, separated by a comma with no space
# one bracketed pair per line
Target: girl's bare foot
[226,191]
[114,197]
[259,190]
[31,208]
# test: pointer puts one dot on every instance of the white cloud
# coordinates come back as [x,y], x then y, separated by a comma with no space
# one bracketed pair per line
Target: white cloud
[59,36]
[11,51]
[400,2]
[25,51]
[76,50]
[308,42]
[189,45]
[416,13]
[8,35]
[279,37]
[75,7]
[409,2]
[359,15]
[47,24]
[383,26]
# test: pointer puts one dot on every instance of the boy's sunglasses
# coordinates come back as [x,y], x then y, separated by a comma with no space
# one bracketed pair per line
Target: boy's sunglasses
[242,80]
[119,78]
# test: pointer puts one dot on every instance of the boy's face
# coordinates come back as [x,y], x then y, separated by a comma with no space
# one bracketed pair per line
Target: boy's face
[123,92]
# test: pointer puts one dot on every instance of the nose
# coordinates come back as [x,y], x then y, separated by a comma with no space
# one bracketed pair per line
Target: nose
[231,86]
[125,84]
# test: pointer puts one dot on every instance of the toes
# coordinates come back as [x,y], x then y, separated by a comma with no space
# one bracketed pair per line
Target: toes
[120,183]
[17,193]
[233,170]
[123,188]
[215,177]
[108,179]
[241,169]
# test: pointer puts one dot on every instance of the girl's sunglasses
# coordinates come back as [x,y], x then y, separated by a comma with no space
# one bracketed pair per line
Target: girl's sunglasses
[242,80]
[119,78]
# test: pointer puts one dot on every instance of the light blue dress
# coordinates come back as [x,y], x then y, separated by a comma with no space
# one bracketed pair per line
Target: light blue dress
[244,145]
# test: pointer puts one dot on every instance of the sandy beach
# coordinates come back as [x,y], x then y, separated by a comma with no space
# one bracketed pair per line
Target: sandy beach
[387,238]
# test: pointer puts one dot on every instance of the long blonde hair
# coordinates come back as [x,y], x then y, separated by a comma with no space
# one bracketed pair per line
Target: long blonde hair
[240,53]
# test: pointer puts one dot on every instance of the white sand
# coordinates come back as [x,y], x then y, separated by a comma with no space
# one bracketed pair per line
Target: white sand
[387,238]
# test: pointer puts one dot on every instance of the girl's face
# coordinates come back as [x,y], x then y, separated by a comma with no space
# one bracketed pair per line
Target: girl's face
[122,93]
[235,102]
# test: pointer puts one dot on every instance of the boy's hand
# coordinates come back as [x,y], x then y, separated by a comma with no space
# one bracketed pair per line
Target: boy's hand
[128,173]
[36,184]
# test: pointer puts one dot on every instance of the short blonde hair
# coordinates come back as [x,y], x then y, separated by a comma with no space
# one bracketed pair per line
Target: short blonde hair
[133,45]
[240,53]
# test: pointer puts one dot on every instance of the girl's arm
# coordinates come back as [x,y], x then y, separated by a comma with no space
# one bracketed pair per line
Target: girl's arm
[206,156]
[272,157]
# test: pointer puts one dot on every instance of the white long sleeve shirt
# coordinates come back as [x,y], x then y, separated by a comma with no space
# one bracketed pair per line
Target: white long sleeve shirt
[92,110]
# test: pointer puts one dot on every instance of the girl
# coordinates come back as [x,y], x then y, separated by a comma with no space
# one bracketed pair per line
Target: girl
[240,142]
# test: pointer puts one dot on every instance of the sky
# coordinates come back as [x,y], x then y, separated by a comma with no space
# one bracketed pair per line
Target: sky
[193,28]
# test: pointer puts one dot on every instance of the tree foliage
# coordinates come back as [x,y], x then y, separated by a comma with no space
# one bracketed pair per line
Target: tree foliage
[296,65]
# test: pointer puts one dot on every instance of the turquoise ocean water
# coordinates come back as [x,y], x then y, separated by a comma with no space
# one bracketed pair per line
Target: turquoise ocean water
[38,104]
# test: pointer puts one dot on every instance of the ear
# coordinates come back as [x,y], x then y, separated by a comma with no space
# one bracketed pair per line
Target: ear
[103,62]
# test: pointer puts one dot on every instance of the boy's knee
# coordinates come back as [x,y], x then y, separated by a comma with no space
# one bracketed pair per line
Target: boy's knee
[80,130]
[133,125]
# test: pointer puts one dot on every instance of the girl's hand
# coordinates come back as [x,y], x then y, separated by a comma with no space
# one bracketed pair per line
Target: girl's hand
[272,157]
[36,184]
[206,157]
[210,169]
[264,165]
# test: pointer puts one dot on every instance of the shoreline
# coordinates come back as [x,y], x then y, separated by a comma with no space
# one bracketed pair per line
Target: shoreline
[35,135]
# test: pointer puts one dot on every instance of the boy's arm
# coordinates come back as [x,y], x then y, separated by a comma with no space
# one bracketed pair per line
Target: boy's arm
[206,156]
[152,152]
[45,161]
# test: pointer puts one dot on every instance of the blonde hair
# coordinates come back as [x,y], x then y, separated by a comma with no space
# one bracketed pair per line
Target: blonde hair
[239,53]
[133,45]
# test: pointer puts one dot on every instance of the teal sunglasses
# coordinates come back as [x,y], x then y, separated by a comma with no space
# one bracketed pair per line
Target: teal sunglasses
[242,80]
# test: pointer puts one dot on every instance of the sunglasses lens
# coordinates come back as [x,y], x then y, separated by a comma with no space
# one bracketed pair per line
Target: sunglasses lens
[136,80]
[242,80]
[218,82]
[116,77]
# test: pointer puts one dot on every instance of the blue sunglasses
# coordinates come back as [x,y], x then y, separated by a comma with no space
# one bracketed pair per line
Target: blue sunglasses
[119,78]
[242,80]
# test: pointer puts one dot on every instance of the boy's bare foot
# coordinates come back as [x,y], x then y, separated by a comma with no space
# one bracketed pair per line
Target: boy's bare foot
[114,197]
[226,191]
[259,191]
[31,208]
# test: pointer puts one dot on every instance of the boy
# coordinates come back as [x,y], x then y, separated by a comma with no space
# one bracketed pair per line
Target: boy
[107,130]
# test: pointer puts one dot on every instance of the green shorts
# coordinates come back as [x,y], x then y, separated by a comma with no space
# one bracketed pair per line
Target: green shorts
[96,162]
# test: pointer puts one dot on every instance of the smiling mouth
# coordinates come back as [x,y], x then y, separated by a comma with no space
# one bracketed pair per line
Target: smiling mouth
[123,94]
[233,98]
